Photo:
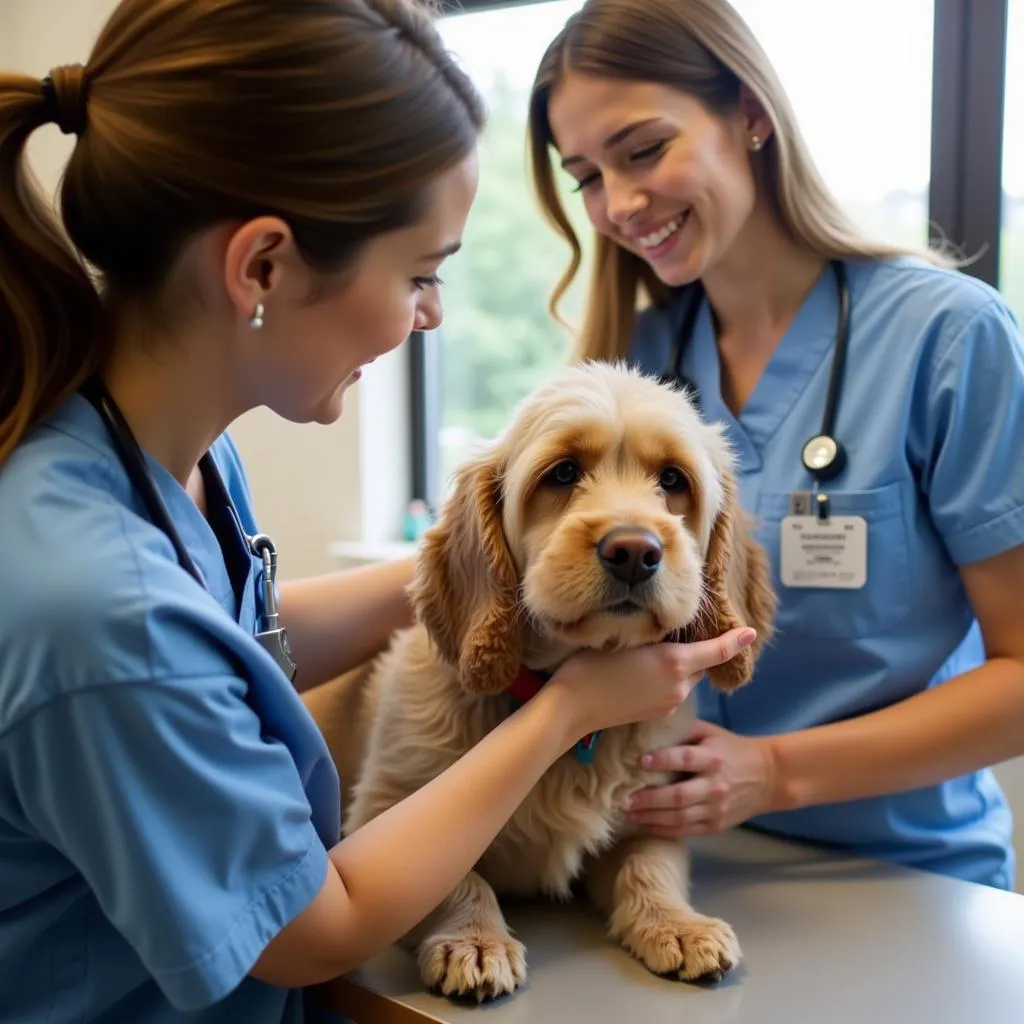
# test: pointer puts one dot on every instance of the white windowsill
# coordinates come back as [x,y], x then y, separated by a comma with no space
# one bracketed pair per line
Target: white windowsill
[359,551]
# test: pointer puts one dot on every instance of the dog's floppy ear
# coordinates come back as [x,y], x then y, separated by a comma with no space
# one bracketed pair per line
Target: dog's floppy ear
[738,588]
[466,587]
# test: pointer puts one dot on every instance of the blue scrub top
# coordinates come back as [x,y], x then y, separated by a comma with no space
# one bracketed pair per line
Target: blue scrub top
[931,414]
[166,801]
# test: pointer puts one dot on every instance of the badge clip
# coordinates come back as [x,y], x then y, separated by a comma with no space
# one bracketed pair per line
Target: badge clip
[822,506]
[273,637]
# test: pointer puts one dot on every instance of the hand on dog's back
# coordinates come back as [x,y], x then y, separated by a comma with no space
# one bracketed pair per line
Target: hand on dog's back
[606,689]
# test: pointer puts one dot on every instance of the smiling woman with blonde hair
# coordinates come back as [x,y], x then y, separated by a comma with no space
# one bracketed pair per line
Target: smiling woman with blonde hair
[872,395]
[713,57]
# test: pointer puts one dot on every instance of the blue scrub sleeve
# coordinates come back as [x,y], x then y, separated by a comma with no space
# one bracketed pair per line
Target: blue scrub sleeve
[968,442]
[190,827]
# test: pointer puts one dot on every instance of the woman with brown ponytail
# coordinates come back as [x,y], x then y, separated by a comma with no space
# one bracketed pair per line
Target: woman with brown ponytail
[257,203]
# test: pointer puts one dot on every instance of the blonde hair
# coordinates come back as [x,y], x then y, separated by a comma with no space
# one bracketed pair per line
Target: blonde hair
[703,48]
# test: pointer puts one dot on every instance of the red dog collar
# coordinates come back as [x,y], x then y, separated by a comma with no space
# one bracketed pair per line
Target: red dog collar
[527,684]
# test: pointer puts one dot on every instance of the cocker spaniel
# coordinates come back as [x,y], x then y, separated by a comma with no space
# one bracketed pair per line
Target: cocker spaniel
[604,517]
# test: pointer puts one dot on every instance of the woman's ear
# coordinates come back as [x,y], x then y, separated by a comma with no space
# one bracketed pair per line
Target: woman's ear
[756,122]
[466,587]
[254,256]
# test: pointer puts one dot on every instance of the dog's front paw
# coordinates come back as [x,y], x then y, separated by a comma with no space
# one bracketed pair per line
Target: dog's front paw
[687,946]
[481,964]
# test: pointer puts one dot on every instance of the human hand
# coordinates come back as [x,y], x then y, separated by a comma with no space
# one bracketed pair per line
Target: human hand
[732,779]
[605,689]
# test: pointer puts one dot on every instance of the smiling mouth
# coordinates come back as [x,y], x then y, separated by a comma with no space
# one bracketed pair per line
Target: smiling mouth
[665,232]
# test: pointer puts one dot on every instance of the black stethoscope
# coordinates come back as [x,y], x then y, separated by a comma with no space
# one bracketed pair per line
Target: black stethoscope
[822,456]
[272,637]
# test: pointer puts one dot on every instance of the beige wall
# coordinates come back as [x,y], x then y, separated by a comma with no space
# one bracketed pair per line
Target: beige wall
[313,485]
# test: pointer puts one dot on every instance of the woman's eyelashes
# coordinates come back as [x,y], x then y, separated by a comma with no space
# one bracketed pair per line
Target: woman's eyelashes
[422,283]
[649,152]
[654,149]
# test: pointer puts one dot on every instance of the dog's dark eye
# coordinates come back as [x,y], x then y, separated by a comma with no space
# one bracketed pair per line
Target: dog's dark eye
[564,474]
[673,480]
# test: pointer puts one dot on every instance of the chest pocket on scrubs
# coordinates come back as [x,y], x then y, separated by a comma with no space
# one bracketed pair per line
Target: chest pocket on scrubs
[824,612]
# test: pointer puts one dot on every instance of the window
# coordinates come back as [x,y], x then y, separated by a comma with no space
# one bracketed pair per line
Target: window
[1011,270]
[898,103]
[859,77]
[498,340]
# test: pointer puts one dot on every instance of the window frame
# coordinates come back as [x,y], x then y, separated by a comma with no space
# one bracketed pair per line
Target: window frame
[425,405]
[968,99]
[964,194]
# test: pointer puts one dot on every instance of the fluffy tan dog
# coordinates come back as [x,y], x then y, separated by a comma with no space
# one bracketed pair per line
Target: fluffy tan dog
[604,517]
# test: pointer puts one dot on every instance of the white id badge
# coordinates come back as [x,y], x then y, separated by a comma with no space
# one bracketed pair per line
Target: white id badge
[830,554]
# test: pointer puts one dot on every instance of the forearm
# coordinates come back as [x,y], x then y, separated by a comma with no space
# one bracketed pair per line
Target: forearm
[338,621]
[969,722]
[401,865]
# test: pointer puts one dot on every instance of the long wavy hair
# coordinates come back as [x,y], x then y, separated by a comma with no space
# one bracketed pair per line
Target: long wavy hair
[705,49]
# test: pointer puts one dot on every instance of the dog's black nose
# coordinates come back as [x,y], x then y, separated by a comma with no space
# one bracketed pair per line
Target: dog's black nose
[630,555]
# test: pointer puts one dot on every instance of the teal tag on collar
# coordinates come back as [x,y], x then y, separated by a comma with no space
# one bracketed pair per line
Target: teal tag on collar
[586,748]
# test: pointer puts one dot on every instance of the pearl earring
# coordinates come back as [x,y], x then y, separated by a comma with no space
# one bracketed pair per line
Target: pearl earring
[756,142]
[257,318]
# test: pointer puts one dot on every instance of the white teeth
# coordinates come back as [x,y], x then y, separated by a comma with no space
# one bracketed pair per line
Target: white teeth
[659,236]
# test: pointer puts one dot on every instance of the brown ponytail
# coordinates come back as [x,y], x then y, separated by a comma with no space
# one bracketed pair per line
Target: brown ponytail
[335,115]
[49,308]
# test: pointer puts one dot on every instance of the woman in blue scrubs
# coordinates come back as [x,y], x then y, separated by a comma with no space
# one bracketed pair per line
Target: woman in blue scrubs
[896,678]
[263,192]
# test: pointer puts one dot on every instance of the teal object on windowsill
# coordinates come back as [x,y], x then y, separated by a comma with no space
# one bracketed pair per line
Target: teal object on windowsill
[417,521]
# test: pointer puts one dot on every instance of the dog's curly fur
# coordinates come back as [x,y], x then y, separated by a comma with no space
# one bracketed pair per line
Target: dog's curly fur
[509,577]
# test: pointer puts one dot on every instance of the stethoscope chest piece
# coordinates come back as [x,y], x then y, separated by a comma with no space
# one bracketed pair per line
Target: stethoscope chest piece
[823,457]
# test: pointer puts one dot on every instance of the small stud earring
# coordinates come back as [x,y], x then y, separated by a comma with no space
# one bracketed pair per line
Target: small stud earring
[257,318]
[756,142]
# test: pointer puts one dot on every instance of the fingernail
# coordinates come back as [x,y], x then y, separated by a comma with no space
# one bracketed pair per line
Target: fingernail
[747,637]
[646,761]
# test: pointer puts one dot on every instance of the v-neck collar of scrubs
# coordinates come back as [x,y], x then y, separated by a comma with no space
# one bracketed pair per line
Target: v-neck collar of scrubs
[798,356]
[216,542]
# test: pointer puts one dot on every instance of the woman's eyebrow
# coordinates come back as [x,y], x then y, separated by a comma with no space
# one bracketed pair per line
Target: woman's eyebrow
[449,250]
[613,140]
